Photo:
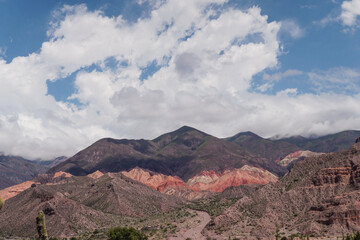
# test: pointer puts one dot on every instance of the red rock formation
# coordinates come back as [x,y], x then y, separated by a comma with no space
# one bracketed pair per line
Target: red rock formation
[211,181]
[95,175]
[204,181]
[12,191]
[49,179]
[154,180]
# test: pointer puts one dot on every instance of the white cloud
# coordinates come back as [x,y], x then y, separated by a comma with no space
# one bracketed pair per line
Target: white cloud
[340,79]
[207,59]
[279,76]
[292,28]
[350,12]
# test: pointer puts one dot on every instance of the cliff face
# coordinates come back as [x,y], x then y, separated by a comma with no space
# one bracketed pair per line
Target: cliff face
[320,196]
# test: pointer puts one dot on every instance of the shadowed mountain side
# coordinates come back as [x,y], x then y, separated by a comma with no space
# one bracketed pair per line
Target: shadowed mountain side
[265,148]
[15,170]
[278,149]
[329,143]
[320,196]
[184,153]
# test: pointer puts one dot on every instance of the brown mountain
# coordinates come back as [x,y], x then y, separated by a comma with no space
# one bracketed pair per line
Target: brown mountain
[15,170]
[278,149]
[328,143]
[265,148]
[81,204]
[184,153]
[319,196]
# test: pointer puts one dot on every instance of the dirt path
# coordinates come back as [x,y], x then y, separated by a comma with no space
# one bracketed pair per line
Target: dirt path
[194,227]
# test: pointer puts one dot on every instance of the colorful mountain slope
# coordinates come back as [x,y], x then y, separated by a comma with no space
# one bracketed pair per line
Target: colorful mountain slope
[183,153]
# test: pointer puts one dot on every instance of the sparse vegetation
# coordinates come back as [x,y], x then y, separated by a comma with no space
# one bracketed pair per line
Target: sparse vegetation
[41,227]
[123,233]
[354,236]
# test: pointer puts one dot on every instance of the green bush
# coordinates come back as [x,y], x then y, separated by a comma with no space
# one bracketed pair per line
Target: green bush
[119,233]
[1,203]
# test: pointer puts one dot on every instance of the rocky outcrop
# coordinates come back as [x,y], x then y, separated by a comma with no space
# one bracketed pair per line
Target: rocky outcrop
[297,156]
[12,191]
[95,175]
[48,179]
[319,196]
[211,181]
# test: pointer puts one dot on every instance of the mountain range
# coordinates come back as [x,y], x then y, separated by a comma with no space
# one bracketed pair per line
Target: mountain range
[252,187]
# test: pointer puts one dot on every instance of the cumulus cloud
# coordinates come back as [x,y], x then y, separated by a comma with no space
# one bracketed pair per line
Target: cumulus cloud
[206,56]
[350,12]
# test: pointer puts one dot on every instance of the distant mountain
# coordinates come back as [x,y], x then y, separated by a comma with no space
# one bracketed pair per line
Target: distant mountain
[15,170]
[265,148]
[319,196]
[82,204]
[278,149]
[184,153]
[329,143]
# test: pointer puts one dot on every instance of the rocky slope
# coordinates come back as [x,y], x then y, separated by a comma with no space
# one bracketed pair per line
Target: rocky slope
[319,196]
[290,159]
[80,204]
[49,179]
[183,153]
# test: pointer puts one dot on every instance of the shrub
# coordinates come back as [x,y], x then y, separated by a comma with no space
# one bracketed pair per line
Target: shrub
[1,203]
[119,233]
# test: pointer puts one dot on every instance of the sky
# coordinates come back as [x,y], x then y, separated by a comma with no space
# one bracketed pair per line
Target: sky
[72,72]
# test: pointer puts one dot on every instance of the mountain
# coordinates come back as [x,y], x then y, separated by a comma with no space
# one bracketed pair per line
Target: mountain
[82,204]
[320,196]
[183,153]
[278,149]
[15,170]
[265,148]
[329,143]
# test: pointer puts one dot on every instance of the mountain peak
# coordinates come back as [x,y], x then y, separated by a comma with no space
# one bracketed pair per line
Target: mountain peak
[247,133]
[180,132]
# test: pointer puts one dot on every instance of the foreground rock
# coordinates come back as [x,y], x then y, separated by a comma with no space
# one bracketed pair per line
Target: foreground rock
[320,196]
[82,204]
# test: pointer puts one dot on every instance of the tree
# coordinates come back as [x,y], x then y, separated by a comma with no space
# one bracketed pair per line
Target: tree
[1,203]
[119,233]
[41,227]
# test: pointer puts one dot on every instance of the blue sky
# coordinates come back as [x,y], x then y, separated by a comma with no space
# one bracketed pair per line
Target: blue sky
[75,71]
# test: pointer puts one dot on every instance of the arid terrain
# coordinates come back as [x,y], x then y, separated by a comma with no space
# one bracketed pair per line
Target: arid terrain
[223,189]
